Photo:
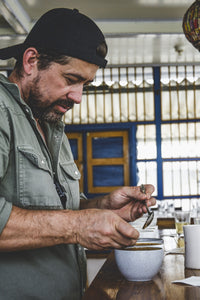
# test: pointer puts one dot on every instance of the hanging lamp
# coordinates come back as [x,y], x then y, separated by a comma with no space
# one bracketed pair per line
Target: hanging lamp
[191,24]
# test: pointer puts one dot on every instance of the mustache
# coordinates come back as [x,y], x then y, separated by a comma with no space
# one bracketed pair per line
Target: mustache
[69,104]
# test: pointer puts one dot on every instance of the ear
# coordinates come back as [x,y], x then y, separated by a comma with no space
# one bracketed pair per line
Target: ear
[30,60]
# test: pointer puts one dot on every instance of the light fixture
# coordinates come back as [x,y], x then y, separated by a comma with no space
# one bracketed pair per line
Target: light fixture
[191,24]
[15,15]
[179,49]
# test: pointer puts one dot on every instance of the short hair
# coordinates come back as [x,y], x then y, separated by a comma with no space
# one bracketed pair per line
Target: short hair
[46,57]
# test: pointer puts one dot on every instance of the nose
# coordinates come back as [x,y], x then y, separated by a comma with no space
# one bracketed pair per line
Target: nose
[75,93]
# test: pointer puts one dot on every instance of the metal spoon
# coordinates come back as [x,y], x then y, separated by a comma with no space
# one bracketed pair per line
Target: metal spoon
[150,213]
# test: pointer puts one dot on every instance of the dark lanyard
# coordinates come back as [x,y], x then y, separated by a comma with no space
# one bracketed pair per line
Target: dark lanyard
[60,192]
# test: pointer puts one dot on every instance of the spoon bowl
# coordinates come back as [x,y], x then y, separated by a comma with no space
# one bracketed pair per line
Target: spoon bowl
[149,218]
[150,213]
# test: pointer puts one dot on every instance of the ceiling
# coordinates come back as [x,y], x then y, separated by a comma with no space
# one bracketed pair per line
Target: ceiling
[138,32]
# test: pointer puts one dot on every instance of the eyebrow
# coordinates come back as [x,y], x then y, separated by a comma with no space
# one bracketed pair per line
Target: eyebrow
[79,77]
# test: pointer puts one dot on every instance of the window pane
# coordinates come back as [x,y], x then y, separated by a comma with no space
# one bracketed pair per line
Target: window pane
[181,178]
[107,147]
[180,140]
[147,173]
[108,176]
[146,142]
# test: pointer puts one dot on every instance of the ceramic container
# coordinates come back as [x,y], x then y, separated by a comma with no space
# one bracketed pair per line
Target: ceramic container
[192,246]
[139,263]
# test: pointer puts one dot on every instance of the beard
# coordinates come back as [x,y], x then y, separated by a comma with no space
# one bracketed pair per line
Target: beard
[42,109]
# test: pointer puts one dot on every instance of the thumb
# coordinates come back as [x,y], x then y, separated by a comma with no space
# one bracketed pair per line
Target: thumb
[127,230]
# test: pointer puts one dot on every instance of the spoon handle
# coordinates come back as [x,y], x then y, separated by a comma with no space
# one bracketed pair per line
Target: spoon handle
[142,189]
[148,211]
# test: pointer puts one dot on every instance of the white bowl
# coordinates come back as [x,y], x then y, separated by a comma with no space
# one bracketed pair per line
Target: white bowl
[149,242]
[139,263]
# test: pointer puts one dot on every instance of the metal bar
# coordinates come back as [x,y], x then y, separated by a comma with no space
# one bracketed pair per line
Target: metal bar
[157,103]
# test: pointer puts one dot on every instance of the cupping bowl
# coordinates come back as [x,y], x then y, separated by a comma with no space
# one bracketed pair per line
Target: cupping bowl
[149,242]
[140,262]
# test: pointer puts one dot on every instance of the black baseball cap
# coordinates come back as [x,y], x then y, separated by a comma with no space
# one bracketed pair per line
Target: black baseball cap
[65,31]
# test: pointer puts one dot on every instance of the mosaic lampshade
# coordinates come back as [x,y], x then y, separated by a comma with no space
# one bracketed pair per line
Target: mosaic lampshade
[191,24]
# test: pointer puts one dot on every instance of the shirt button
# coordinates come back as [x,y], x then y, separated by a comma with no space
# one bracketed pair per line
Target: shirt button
[76,172]
[43,162]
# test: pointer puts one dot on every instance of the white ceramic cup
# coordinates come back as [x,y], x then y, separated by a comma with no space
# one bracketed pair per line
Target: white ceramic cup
[192,246]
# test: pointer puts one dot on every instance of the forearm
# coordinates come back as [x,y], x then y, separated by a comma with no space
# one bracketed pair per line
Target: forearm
[100,202]
[92,228]
[30,229]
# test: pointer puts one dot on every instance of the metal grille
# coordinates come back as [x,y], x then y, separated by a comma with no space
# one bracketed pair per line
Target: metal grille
[116,95]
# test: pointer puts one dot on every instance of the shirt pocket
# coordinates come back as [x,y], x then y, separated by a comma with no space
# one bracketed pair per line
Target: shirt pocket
[69,179]
[35,186]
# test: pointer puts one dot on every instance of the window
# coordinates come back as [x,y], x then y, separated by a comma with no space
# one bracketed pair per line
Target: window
[107,160]
[160,107]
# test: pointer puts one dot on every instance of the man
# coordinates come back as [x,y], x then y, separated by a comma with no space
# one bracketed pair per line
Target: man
[44,225]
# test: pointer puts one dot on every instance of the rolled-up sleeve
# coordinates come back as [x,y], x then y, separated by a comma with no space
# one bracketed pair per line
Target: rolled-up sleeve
[5,211]
[4,141]
[5,206]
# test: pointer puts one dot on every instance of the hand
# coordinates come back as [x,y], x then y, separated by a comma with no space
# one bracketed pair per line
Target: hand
[128,202]
[102,229]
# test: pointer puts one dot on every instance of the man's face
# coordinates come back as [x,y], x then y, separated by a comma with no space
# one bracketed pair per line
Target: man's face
[54,91]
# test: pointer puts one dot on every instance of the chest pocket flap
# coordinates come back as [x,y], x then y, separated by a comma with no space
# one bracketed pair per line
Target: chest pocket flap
[36,159]
[71,170]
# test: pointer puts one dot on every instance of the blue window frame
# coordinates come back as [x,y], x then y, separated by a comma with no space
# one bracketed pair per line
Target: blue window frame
[149,140]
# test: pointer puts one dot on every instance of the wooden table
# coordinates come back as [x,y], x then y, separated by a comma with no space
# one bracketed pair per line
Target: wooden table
[110,284]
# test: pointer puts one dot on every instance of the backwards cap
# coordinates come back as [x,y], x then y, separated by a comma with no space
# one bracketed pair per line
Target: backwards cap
[66,31]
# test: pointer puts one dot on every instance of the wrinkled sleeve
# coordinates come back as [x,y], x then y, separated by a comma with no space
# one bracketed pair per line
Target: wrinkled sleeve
[5,211]
[5,206]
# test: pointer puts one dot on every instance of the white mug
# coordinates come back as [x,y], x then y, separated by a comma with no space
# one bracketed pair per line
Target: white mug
[192,246]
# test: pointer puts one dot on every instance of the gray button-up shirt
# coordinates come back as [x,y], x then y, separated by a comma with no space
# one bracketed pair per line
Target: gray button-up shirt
[27,169]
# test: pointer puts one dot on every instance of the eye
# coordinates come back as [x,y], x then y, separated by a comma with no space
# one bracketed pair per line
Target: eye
[87,83]
[71,80]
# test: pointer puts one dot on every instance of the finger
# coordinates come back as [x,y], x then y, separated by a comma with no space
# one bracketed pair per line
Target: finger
[124,244]
[121,241]
[151,201]
[149,190]
[142,209]
[124,241]
[117,241]
[134,192]
[127,230]
[116,244]
[136,210]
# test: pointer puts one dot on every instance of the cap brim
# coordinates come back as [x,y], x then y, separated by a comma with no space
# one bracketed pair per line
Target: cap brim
[12,51]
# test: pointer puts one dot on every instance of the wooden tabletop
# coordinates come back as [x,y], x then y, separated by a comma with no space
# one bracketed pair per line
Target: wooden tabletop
[109,284]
